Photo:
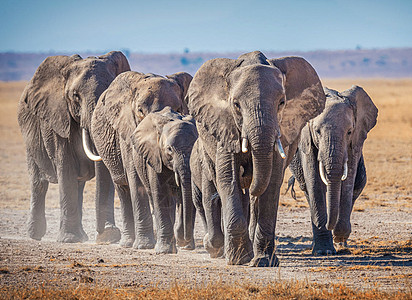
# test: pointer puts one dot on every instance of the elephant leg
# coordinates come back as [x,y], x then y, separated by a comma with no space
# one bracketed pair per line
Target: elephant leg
[71,230]
[143,222]
[360,179]
[128,232]
[213,241]
[107,232]
[267,207]
[36,225]
[238,248]
[197,201]
[315,192]
[163,203]
[80,190]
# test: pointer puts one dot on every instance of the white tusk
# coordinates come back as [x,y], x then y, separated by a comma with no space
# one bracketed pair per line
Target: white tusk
[322,173]
[177,179]
[280,148]
[244,145]
[89,153]
[345,171]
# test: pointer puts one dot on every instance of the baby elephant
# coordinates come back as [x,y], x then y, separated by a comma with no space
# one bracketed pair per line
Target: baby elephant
[329,164]
[163,142]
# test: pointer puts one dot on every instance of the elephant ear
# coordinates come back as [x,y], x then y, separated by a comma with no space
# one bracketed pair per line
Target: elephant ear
[116,61]
[146,137]
[118,104]
[183,79]
[366,113]
[305,143]
[305,98]
[44,95]
[208,103]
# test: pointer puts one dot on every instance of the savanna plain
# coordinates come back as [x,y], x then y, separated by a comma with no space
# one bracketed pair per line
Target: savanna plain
[376,264]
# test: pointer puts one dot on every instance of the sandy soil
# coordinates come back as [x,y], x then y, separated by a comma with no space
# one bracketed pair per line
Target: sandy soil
[380,246]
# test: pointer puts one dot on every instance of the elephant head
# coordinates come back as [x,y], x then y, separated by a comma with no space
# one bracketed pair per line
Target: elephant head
[249,103]
[66,88]
[338,134]
[165,139]
[132,96]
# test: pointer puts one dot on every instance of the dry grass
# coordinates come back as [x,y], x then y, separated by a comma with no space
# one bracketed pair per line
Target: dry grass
[278,290]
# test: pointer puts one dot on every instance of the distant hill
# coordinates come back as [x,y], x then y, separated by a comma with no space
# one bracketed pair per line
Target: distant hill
[361,63]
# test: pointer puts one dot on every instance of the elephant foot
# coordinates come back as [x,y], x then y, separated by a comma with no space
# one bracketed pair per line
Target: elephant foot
[265,261]
[110,235]
[238,256]
[126,241]
[187,245]
[144,243]
[37,228]
[325,248]
[190,246]
[165,247]
[68,237]
[214,252]
[323,252]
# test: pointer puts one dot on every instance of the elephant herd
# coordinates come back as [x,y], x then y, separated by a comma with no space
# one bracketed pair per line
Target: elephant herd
[215,145]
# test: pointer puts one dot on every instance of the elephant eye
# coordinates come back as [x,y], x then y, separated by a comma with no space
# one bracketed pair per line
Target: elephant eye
[237,105]
[169,150]
[76,97]
[350,132]
[281,101]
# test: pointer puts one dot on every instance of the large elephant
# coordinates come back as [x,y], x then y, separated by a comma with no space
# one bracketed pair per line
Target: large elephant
[244,108]
[115,129]
[329,164]
[55,107]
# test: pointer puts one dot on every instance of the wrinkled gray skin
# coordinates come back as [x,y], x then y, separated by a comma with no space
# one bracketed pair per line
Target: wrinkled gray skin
[133,150]
[260,100]
[334,137]
[54,108]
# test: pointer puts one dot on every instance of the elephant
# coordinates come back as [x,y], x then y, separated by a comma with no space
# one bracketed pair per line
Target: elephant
[129,146]
[329,164]
[206,199]
[244,109]
[54,115]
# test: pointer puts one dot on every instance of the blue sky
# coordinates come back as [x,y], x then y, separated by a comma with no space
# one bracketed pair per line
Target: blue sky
[160,26]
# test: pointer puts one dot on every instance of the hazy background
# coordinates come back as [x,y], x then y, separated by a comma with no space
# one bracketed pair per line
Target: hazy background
[167,36]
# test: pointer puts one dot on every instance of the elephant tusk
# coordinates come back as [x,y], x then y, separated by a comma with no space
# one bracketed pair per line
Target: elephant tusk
[244,145]
[86,149]
[322,173]
[279,147]
[177,179]
[345,171]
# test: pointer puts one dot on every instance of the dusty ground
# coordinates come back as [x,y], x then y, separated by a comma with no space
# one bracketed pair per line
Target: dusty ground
[380,246]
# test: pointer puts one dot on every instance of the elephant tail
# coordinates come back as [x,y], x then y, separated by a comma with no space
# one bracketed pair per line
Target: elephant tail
[291,186]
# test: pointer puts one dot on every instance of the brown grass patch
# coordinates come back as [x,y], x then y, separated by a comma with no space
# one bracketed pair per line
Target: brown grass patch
[279,290]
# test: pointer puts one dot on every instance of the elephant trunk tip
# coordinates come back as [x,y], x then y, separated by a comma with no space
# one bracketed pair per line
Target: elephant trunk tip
[330,225]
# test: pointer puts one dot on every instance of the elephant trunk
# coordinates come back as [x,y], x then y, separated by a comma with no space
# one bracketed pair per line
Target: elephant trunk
[333,201]
[261,142]
[184,177]
[331,175]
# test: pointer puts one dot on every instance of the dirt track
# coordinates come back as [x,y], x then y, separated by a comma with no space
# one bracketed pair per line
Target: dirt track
[380,246]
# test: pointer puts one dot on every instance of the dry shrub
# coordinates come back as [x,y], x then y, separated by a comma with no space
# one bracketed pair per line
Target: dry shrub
[278,290]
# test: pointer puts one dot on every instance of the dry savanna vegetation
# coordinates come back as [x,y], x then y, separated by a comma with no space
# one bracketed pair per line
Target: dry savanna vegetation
[377,263]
